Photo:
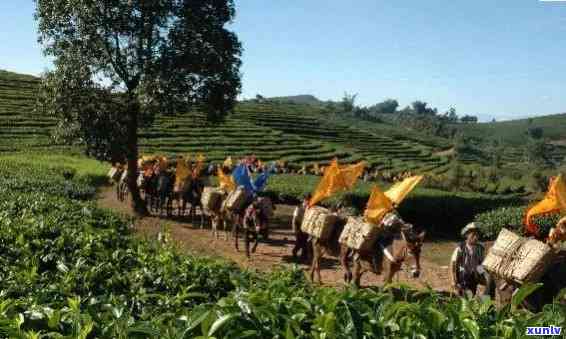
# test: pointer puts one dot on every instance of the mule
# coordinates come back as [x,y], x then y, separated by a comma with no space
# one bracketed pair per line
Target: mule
[409,245]
[254,224]
[554,281]
[193,196]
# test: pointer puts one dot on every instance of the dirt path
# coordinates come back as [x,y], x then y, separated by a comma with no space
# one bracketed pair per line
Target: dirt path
[278,250]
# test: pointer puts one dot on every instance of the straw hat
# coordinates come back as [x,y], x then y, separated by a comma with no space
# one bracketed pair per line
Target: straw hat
[561,223]
[473,226]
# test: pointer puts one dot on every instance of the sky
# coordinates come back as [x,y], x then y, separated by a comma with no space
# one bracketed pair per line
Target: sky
[500,59]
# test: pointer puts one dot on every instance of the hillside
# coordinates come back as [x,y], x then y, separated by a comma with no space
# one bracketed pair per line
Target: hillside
[302,99]
[20,127]
[513,136]
[297,133]
[513,132]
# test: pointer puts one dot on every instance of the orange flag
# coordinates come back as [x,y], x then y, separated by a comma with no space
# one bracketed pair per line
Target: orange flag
[399,190]
[198,166]
[182,172]
[336,179]
[349,174]
[226,181]
[553,202]
[378,205]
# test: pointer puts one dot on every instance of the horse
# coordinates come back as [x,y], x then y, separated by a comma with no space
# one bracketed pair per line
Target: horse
[410,245]
[255,223]
[302,241]
[180,191]
[330,246]
[162,186]
[554,281]
[193,196]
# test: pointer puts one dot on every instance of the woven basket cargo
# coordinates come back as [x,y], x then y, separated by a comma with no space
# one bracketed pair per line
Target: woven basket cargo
[319,222]
[237,199]
[211,199]
[359,235]
[513,257]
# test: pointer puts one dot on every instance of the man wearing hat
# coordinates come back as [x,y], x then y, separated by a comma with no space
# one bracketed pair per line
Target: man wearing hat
[466,265]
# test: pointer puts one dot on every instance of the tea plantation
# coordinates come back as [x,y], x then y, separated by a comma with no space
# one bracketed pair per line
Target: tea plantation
[299,134]
[71,270]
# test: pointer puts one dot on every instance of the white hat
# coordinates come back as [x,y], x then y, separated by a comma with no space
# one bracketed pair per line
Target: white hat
[473,226]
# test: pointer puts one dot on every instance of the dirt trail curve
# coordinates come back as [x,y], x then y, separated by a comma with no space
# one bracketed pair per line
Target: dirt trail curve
[277,251]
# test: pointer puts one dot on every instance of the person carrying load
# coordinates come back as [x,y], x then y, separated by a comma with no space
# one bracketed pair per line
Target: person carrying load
[466,267]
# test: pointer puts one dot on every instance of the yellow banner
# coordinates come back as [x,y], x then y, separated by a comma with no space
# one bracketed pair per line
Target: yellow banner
[381,203]
[199,166]
[399,190]
[378,205]
[553,202]
[336,179]
[226,181]
[182,172]
[228,162]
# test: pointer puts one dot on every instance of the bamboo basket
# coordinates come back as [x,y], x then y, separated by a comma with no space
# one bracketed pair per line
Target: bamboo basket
[211,199]
[359,235]
[513,257]
[319,222]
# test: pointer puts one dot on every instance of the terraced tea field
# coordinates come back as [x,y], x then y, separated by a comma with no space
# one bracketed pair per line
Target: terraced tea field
[20,128]
[299,134]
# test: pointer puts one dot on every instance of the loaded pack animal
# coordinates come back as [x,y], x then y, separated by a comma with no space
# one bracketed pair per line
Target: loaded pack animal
[254,223]
[192,196]
[554,281]
[160,189]
[410,245]
[302,242]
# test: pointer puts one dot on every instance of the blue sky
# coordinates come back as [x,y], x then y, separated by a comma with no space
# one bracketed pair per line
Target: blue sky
[492,58]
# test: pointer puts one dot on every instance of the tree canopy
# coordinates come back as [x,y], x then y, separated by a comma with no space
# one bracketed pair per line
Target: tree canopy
[119,62]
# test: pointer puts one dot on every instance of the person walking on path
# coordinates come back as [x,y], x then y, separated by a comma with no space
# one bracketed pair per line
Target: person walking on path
[466,267]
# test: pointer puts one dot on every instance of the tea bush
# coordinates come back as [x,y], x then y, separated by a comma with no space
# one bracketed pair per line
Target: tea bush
[71,270]
[512,218]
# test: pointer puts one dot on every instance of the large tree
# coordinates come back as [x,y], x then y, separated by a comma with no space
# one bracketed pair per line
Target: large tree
[118,62]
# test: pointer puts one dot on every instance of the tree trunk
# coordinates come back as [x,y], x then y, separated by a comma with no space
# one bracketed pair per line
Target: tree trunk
[138,204]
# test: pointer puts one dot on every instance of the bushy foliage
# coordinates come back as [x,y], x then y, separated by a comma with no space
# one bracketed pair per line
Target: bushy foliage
[69,269]
[512,218]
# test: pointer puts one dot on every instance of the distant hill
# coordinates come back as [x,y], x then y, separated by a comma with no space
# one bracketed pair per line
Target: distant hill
[303,99]
[513,132]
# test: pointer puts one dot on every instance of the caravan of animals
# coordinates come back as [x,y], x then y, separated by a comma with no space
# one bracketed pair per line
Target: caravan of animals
[362,243]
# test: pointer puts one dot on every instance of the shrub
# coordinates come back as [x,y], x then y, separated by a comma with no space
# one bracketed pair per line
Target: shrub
[513,219]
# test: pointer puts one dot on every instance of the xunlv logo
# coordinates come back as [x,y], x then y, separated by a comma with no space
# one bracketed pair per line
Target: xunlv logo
[544,330]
